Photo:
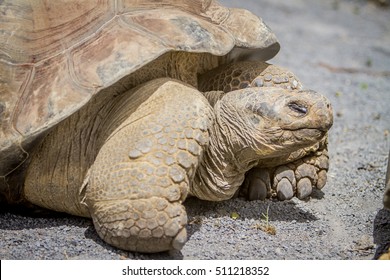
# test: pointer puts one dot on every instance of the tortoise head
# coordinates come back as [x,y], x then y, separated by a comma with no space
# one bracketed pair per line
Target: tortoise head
[268,122]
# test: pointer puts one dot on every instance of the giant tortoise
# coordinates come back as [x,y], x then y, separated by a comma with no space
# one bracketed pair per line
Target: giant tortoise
[119,110]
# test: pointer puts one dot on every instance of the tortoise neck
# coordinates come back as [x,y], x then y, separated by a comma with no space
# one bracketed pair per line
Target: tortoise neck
[220,173]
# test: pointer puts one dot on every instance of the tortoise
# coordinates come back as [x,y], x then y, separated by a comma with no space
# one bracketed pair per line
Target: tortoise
[119,110]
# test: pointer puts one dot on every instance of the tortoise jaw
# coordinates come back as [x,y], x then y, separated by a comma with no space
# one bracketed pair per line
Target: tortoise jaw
[309,135]
[294,139]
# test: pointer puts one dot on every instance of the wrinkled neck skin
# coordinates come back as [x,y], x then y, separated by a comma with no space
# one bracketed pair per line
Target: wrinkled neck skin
[220,172]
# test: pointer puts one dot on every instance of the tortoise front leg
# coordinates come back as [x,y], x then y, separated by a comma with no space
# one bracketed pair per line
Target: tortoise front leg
[142,173]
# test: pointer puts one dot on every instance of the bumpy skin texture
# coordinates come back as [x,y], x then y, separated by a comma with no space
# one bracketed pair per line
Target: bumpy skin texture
[247,74]
[168,148]
[143,171]
[157,148]
[139,164]
[306,169]
[258,125]
[146,157]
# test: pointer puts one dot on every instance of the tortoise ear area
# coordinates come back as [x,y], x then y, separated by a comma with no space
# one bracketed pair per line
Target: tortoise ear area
[255,119]
[262,109]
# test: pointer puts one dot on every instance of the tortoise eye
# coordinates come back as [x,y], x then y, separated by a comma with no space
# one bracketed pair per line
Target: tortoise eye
[299,108]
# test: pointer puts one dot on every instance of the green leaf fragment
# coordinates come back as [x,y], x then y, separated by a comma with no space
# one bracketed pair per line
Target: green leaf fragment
[363,86]
[234,215]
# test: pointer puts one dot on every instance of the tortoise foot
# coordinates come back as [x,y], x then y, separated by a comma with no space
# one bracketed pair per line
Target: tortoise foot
[297,178]
[143,225]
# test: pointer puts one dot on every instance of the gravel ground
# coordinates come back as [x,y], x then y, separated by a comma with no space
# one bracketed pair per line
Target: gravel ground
[340,48]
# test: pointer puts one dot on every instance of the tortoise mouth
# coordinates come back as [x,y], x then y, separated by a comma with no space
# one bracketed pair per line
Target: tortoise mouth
[308,134]
[290,140]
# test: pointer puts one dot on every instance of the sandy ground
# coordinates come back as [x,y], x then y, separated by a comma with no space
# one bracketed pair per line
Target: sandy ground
[339,48]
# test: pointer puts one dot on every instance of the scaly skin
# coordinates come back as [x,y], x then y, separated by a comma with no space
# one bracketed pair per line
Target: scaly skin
[131,170]
[136,203]
[245,74]
[295,173]
[161,148]
[143,171]
[135,187]
[241,139]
